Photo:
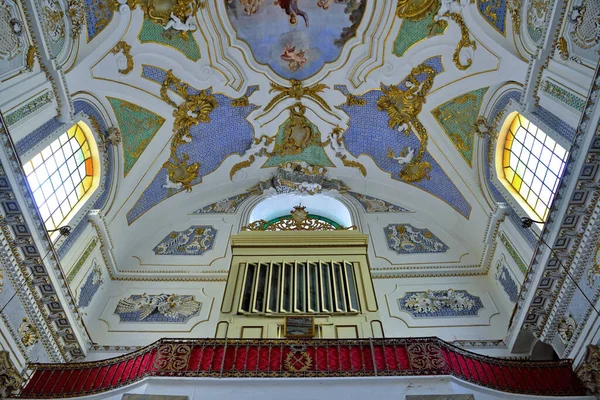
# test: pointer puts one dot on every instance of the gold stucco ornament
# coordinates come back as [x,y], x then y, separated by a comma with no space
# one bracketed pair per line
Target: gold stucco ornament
[180,173]
[28,333]
[297,91]
[160,10]
[403,108]
[414,9]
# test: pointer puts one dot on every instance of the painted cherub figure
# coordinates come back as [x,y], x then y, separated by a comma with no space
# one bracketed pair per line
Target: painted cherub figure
[294,58]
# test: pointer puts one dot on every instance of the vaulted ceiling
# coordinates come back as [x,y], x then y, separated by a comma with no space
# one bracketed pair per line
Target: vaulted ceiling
[383,96]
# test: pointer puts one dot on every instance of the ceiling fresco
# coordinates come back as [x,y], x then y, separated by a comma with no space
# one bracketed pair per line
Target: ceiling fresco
[295,38]
[223,102]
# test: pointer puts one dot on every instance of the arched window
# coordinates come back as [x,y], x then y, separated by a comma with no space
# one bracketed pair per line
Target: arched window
[532,163]
[64,175]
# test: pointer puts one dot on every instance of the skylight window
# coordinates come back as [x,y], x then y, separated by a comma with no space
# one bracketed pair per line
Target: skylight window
[533,164]
[61,176]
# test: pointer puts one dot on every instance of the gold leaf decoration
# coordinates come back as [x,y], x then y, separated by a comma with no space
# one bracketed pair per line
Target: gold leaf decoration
[297,91]
[464,42]
[126,49]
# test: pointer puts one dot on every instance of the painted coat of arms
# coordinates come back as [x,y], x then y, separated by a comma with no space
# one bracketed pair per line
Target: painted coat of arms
[296,38]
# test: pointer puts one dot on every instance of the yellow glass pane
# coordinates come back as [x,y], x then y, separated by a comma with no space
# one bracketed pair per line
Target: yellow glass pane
[87,183]
[72,130]
[80,190]
[514,126]
[506,158]
[80,137]
[509,174]
[509,140]
[86,150]
[517,182]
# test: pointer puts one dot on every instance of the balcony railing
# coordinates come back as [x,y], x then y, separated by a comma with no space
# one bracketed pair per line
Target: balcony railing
[222,358]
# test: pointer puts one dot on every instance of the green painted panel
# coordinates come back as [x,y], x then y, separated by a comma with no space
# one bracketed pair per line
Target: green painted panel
[412,32]
[457,118]
[312,154]
[154,33]
[138,127]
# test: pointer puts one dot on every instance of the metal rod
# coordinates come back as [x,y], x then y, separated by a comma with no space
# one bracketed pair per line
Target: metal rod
[373,355]
[223,360]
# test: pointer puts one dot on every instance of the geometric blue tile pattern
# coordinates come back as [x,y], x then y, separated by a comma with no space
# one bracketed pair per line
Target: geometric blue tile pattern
[440,303]
[227,133]
[368,133]
[504,277]
[194,241]
[91,286]
[98,14]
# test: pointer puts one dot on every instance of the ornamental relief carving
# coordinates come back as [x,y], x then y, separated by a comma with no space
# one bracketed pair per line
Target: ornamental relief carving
[586,25]
[12,35]
[28,333]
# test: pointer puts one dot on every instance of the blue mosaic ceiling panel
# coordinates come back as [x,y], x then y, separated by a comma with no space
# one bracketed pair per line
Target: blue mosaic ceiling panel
[98,14]
[406,239]
[494,12]
[369,134]
[227,133]
[194,241]
[440,303]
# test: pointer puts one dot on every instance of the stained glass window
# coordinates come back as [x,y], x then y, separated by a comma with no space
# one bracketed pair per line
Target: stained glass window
[533,164]
[60,176]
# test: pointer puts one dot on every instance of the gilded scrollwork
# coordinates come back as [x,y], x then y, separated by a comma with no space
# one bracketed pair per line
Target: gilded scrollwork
[160,11]
[414,9]
[514,7]
[28,333]
[403,108]
[297,91]
[336,142]
[561,47]
[196,108]
[122,46]
[465,42]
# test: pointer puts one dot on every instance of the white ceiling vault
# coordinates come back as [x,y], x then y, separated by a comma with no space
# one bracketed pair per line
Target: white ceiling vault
[376,98]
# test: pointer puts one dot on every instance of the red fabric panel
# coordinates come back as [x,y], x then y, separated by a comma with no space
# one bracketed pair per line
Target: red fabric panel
[453,364]
[240,359]
[389,358]
[147,363]
[276,360]
[127,372]
[229,358]
[333,359]
[62,380]
[217,360]
[481,372]
[462,364]
[520,380]
[251,358]
[95,378]
[367,358]
[137,365]
[206,360]
[37,381]
[321,362]
[472,369]
[509,375]
[119,373]
[542,381]
[489,373]
[402,358]
[195,358]
[499,376]
[106,382]
[562,378]
[356,358]
[83,377]
[379,354]
[345,364]
[72,380]
[50,381]
[263,358]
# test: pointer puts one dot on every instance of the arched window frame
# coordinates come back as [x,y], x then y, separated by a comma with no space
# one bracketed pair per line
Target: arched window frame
[78,213]
[510,194]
